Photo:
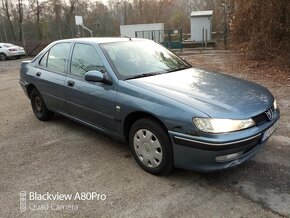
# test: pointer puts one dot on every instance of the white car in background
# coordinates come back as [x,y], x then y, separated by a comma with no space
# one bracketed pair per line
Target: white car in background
[8,50]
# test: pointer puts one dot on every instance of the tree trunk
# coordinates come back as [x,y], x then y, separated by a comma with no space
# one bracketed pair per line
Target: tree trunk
[38,19]
[20,21]
[141,11]
[6,9]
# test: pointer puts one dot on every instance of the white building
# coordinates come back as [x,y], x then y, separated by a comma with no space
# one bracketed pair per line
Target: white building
[201,26]
[130,30]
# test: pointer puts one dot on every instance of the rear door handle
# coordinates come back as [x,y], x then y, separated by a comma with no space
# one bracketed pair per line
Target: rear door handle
[70,83]
[38,74]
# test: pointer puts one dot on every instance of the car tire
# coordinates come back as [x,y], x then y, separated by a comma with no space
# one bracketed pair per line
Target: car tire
[3,56]
[38,106]
[151,146]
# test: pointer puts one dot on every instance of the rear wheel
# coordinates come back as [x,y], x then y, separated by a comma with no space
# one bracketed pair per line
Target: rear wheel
[151,146]
[38,106]
[3,57]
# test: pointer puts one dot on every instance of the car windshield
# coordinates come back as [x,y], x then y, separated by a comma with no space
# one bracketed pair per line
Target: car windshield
[135,59]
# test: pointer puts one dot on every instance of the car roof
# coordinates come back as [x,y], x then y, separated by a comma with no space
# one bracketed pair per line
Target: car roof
[100,40]
[6,43]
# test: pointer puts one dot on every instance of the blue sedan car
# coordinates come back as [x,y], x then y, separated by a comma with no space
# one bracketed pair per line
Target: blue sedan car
[170,113]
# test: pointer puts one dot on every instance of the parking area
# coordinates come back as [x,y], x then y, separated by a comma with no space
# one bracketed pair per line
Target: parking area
[61,156]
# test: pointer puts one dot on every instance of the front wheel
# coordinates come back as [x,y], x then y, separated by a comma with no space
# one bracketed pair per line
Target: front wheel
[3,57]
[151,146]
[38,106]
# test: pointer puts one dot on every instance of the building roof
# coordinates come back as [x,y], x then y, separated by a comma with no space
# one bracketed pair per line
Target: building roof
[201,13]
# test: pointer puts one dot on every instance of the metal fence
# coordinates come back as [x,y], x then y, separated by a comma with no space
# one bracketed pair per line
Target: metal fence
[171,39]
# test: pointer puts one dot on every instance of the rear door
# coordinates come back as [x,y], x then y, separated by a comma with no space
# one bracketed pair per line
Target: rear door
[92,102]
[50,75]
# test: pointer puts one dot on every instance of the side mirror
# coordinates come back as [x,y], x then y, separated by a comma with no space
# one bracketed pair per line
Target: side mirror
[97,76]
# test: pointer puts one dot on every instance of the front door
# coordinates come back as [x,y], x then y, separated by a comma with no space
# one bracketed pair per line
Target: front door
[92,102]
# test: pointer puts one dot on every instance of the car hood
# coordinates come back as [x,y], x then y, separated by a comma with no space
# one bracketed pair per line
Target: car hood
[218,95]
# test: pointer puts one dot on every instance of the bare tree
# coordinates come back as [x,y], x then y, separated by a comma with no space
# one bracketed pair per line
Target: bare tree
[6,6]
[4,30]
[36,8]
[57,8]
[19,17]
[69,14]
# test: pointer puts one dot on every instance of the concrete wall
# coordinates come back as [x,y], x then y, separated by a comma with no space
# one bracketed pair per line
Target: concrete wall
[129,30]
[197,24]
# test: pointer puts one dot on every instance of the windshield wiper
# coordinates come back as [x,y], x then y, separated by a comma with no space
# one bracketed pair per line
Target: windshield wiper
[142,75]
[178,69]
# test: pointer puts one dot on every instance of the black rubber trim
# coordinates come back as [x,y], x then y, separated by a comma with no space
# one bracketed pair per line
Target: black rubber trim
[245,144]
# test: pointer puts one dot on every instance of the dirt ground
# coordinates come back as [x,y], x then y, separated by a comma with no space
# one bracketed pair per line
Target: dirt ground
[61,156]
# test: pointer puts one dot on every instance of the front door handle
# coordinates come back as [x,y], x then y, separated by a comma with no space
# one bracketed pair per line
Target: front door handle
[70,83]
[38,74]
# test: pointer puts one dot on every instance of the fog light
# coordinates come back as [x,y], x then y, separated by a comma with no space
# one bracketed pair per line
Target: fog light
[229,156]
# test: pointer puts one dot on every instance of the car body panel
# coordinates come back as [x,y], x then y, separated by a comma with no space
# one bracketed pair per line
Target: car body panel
[92,102]
[174,115]
[51,86]
[211,92]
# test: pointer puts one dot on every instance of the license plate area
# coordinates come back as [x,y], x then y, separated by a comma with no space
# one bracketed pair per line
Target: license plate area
[269,131]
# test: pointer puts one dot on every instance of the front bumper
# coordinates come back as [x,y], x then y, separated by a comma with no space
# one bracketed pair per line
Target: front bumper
[205,154]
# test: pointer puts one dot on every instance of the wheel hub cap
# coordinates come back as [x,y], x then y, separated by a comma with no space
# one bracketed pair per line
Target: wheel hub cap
[37,104]
[148,148]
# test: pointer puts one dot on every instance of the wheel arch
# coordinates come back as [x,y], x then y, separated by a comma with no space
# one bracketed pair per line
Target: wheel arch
[137,115]
[29,89]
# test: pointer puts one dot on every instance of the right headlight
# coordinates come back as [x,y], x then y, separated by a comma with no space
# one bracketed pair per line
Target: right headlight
[213,125]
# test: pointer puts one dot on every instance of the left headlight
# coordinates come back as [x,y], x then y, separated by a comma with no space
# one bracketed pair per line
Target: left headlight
[212,125]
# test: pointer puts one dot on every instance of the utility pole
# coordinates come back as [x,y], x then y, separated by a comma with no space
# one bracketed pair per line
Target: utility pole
[77,10]
[79,22]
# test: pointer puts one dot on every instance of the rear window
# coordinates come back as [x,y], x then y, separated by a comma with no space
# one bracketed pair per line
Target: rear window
[7,45]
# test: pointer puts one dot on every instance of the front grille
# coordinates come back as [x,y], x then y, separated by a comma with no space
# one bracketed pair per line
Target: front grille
[262,118]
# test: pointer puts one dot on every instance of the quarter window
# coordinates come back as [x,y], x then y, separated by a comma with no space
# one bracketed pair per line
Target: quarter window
[43,60]
[57,57]
[85,58]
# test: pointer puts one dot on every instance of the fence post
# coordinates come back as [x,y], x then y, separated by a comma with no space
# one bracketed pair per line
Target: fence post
[169,39]
[205,37]
[181,39]
[202,37]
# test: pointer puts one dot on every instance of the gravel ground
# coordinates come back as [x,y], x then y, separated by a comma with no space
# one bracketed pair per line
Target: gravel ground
[65,157]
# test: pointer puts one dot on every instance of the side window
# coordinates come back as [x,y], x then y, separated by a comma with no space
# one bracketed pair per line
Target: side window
[57,57]
[43,60]
[84,59]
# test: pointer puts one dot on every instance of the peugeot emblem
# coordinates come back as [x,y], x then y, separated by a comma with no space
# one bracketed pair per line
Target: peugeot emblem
[269,114]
